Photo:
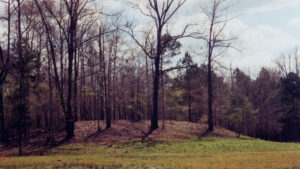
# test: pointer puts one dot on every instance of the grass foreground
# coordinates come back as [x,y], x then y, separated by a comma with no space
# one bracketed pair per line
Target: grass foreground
[206,153]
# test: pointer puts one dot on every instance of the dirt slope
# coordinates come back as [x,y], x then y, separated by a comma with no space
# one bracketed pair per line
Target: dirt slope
[125,130]
[121,131]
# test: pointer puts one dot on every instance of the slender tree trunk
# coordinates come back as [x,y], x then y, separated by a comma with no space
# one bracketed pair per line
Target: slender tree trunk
[4,131]
[62,77]
[99,115]
[132,101]
[189,99]
[209,87]
[4,134]
[58,83]
[76,65]
[121,99]
[114,88]
[51,103]
[61,52]
[163,104]
[21,92]
[92,100]
[148,90]
[138,100]
[101,79]
[84,114]
[107,104]
[162,93]
[107,91]
[95,108]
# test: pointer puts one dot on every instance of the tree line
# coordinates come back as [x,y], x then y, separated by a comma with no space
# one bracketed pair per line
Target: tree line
[63,61]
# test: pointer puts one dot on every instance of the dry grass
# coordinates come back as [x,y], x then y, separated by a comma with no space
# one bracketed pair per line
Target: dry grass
[126,131]
[121,131]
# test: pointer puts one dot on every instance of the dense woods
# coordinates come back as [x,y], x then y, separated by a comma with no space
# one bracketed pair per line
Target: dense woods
[63,61]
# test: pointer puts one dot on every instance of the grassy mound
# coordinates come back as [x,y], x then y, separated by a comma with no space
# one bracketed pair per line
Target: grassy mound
[179,145]
[208,152]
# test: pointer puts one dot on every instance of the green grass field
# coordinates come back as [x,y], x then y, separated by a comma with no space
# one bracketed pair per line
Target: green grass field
[207,152]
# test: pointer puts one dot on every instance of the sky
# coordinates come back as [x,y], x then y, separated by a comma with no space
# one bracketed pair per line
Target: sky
[273,29]
[266,29]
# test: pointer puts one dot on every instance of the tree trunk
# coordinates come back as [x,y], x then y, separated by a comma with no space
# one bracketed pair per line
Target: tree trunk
[4,134]
[139,117]
[162,93]
[106,90]
[76,65]
[114,87]
[107,102]
[154,119]
[50,103]
[62,77]
[21,102]
[209,87]
[101,79]
[148,90]
[69,120]
[4,131]
[189,98]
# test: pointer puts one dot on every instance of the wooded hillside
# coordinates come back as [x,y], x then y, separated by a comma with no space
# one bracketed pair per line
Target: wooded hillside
[63,61]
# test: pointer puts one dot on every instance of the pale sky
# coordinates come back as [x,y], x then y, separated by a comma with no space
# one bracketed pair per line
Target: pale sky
[266,28]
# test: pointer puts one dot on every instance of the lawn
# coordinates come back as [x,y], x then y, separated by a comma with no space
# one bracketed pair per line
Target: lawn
[207,152]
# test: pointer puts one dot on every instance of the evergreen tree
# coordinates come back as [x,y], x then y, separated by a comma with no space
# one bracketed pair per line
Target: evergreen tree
[290,99]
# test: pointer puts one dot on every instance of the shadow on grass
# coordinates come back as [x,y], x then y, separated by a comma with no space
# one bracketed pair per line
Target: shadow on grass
[146,135]
[34,148]
[96,134]
[131,132]
[67,166]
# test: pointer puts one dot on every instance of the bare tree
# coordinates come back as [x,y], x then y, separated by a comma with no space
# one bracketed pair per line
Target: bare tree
[4,69]
[161,12]
[21,78]
[76,11]
[288,62]
[217,43]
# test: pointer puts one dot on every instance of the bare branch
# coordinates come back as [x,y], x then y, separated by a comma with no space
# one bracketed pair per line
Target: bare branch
[56,19]
[143,47]
[96,36]
[178,67]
